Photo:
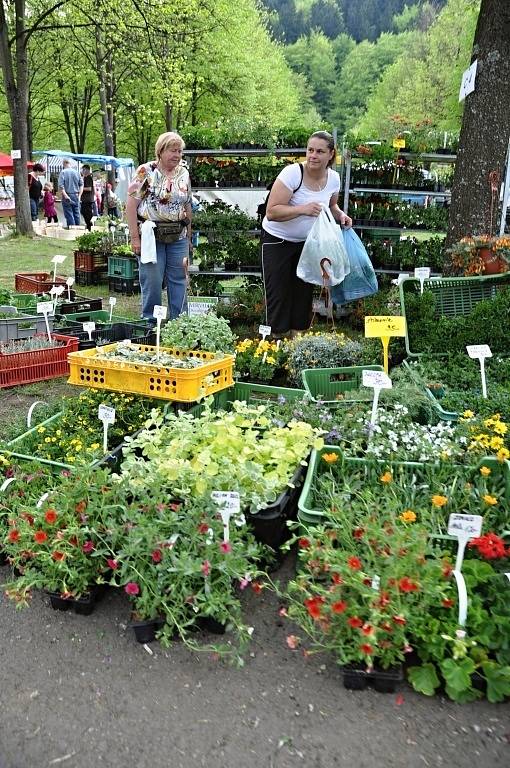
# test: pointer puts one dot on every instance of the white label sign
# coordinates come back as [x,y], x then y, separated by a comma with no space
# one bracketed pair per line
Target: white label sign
[477,351]
[200,307]
[6,483]
[42,500]
[88,328]
[228,500]
[508,576]
[469,526]
[159,312]
[422,273]
[57,290]
[264,330]
[106,414]
[59,258]
[70,281]
[112,301]
[44,307]
[376,379]
[467,85]
[16,154]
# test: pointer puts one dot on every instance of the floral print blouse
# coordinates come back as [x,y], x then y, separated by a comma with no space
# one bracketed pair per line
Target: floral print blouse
[161,199]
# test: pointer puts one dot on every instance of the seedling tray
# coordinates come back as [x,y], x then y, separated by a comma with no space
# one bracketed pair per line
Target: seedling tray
[185,385]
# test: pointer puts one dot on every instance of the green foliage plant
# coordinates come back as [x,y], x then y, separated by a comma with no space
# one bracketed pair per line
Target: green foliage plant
[208,332]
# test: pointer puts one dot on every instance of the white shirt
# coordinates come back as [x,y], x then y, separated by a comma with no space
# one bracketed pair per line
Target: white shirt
[296,230]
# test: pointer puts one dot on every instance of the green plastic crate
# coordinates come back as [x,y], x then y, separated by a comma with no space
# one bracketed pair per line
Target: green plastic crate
[454,295]
[329,385]
[382,233]
[309,515]
[443,415]
[119,266]
[249,393]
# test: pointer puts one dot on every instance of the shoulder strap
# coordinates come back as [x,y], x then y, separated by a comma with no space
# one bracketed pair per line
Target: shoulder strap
[301,168]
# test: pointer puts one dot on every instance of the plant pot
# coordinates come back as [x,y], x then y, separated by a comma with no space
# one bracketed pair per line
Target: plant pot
[212,625]
[355,678]
[83,605]
[386,680]
[145,630]
[492,263]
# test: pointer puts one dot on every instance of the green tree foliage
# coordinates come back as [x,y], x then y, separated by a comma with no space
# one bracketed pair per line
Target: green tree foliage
[423,83]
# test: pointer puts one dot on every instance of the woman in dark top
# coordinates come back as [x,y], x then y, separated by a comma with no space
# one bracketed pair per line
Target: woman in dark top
[35,190]
[87,196]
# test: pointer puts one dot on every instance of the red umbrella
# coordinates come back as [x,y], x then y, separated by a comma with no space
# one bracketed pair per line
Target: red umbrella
[6,165]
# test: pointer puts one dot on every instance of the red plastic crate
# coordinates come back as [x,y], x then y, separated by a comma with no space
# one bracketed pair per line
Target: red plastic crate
[89,262]
[38,364]
[36,282]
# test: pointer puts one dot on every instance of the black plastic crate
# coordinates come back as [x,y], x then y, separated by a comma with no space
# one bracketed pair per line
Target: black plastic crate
[80,304]
[126,286]
[106,334]
[97,276]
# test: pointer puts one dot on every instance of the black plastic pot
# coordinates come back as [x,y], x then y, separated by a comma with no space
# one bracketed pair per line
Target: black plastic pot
[386,680]
[83,605]
[145,631]
[354,678]
[212,625]
[269,525]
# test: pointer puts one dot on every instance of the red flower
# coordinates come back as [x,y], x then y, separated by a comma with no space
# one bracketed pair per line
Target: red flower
[399,620]
[387,627]
[366,648]
[354,563]
[59,556]
[226,547]
[447,570]
[206,568]
[384,599]
[80,507]
[358,533]
[367,630]
[355,622]
[132,588]
[367,582]
[88,547]
[314,606]
[336,578]
[50,516]
[174,506]
[447,603]
[40,537]
[406,585]
[203,528]
[113,564]
[73,541]
[257,587]
[304,543]
[490,546]
[339,606]
[14,535]
[28,518]
[157,556]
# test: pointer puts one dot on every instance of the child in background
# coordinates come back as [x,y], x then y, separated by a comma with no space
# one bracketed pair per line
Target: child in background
[49,204]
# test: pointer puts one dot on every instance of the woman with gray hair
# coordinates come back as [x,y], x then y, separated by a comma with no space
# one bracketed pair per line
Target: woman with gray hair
[158,211]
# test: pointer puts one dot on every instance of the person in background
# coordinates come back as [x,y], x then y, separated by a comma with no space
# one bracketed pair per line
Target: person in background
[297,196]
[161,193]
[35,189]
[112,202]
[49,204]
[87,196]
[98,192]
[70,186]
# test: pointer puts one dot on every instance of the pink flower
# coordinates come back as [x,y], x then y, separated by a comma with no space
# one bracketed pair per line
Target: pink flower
[206,568]
[282,611]
[292,641]
[132,588]
[113,564]
[157,556]
[244,582]
[226,547]
[88,547]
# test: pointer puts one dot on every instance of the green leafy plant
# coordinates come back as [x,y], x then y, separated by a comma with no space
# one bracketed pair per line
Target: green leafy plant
[320,350]
[208,332]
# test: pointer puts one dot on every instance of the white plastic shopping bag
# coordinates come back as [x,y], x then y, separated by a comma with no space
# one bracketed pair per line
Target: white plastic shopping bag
[323,256]
[148,243]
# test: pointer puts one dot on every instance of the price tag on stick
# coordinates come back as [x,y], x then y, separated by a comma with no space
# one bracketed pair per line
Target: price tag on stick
[264,330]
[480,352]
[384,327]
[422,274]
[159,312]
[112,301]
[6,483]
[59,258]
[378,380]
[88,328]
[463,601]
[69,283]
[45,308]
[229,504]
[465,528]
[107,416]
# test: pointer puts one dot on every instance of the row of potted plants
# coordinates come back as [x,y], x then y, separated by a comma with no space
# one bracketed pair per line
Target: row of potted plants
[400,214]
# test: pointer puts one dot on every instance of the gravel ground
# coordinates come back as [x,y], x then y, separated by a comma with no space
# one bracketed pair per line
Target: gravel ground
[79,691]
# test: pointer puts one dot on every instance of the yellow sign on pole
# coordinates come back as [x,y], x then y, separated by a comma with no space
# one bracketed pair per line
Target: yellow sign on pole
[399,143]
[384,327]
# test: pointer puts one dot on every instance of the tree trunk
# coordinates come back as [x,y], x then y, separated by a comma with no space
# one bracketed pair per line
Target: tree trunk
[485,129]
[14,63]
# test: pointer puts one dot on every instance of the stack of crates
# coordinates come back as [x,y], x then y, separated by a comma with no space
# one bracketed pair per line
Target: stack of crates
[123,275]
[90,268]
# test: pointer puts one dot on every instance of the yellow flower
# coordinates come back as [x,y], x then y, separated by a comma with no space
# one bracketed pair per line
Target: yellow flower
[490,500]
[95,446]
[500,428]
[3,461]
[387,477]
[503,454]
[41,430]
[330,458]
[408,516]
[271,360]
[468,414]
[496,443]
[439,501]
[485,471]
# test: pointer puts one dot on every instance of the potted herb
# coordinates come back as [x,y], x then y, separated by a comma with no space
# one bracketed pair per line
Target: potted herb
[207,332]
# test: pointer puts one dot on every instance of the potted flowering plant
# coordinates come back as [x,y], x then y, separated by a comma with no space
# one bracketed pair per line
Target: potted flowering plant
[358,594]
[181,569]
[56,543]
[259,360]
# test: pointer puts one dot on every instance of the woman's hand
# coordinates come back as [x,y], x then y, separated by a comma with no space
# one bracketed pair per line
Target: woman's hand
[136,245]
[310,209]
[345,221]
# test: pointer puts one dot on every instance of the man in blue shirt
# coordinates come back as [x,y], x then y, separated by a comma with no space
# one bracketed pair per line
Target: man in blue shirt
[70,187]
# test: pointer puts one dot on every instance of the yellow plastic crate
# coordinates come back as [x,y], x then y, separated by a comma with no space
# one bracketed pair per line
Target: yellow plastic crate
[187,386]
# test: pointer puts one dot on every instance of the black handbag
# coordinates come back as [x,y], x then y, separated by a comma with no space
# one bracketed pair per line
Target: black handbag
[169,231]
